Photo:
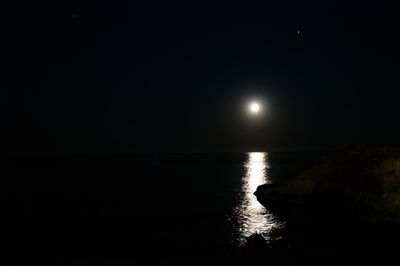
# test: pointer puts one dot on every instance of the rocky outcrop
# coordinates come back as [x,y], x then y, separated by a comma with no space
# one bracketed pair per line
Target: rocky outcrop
[368,182]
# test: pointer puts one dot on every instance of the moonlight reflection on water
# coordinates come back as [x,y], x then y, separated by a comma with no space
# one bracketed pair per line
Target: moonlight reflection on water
[251,216]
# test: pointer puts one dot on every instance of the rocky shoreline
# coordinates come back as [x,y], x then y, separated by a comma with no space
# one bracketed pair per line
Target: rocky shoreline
[363,183]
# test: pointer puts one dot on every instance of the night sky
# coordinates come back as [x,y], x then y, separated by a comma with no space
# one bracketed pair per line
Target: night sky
[147,76]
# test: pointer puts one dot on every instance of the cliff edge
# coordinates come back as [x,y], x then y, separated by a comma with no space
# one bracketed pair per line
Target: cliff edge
[366,182]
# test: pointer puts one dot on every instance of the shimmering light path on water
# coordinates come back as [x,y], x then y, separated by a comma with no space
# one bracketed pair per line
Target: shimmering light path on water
[251,216]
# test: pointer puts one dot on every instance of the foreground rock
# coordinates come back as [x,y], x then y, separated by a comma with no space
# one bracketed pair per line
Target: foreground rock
[368,182]
[255,241]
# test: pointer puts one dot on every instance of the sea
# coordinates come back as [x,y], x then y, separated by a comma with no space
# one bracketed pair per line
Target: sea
[154,209]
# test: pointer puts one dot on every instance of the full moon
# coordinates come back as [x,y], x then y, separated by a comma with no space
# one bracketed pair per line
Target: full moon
[254,107]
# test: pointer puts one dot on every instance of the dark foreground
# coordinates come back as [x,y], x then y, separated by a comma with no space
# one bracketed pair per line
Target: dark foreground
[168,210]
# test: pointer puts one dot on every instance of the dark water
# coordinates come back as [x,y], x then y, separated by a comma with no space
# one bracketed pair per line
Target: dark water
[144,209]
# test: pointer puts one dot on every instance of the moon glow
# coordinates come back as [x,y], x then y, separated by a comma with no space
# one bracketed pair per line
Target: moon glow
[254,107]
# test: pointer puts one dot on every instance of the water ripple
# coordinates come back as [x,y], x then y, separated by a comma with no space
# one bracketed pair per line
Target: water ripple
[251,217]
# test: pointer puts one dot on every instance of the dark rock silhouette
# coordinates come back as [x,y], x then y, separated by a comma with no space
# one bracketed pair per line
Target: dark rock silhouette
[255,241]
[367,183]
